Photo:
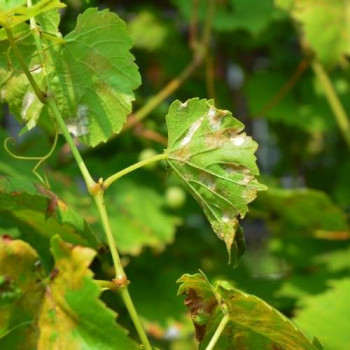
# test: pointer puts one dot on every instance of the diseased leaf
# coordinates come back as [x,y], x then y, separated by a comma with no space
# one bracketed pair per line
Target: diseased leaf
[96,76]
[72,316]
[252,323]
[326,315]
[20,295]
[209,152]
[64,312]
[40,214]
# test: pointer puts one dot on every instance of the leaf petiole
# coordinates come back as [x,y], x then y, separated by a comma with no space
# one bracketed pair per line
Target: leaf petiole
[218,332]
[133,167]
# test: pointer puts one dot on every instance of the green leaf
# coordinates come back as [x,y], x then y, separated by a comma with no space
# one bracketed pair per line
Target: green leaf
[209,152]
[147,31]
[252,324]
[14,85]
[138,223]
[288,208]
[20,295]
[40,214]
[331,18]
[326,315]
[10,17]
[64,312]
[96,76]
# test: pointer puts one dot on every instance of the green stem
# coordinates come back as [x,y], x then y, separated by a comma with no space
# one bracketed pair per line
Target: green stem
[218,332]
[124,292]
[94,189]
[23,64]
[334,101]
[119,271]
[85,172]
[36,36]
[99,200]
[106,285]
[131,168]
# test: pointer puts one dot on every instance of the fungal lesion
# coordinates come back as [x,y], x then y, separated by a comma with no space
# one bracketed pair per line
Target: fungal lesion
[79,125]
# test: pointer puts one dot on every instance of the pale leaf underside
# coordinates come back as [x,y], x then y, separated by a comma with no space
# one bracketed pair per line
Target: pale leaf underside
[210,153]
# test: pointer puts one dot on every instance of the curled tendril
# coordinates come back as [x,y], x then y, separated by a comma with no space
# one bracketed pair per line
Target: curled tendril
[41,159]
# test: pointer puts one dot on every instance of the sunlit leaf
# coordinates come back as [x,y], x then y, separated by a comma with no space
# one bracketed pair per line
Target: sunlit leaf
[20,295]
[96,76]
[64,311]
[12,16]
[331,18]
[209,152]
[71,314]
[252,324]
[326,316]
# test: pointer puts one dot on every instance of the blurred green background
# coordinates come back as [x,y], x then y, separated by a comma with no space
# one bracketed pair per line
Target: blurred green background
[261,63]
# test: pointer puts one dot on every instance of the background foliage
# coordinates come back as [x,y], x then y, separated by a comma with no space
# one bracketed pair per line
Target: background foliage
[263,66]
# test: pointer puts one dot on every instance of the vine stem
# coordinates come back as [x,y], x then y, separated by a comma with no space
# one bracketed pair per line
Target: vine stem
[95,190]
[333,100]
[133,167]
[218,332]
[119,271]
[23,64]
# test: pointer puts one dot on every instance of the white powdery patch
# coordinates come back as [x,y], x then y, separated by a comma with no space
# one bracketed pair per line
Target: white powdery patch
[215,117]
[36,69]
[191,131]
[80,125]
[238,140]
[28,99]
[245,181]
[184,105]
[225,218]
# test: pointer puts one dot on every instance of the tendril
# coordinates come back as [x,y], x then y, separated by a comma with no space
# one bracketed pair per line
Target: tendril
[41,159]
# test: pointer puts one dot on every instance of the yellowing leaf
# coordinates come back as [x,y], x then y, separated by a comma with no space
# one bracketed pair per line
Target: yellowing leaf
[61,312]
[209,152]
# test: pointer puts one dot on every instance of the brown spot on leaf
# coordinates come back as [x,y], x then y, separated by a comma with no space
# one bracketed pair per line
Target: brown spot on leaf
[7,239]
[197,305]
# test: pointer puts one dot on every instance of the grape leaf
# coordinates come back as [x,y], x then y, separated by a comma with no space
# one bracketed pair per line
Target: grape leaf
[326,315]
[96,76]
[331,18]
[138,223]
[64,312]
[40,214]
[209,152]
[252,324]
[287,208]
[14,85]
[18,285]
[12,16]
